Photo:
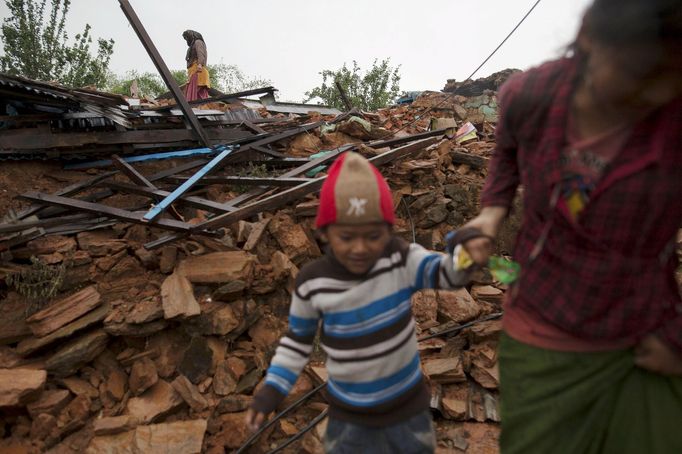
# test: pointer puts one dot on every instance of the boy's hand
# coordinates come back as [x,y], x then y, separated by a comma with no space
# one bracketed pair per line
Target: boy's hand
[656,356]
[254,419]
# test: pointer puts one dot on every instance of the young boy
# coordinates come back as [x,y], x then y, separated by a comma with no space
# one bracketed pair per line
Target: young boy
[360,290]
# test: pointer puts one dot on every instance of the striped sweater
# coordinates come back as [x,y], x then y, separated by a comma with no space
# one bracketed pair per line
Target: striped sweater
[367,331]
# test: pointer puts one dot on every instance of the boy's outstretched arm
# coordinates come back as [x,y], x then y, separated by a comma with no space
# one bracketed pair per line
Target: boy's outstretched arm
[290,358]
[429,269]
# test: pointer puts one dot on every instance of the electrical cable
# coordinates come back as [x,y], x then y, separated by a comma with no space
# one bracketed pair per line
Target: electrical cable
[321,416]
[450,95]
[493,316]
[265,426]
[458,328]
[301,432]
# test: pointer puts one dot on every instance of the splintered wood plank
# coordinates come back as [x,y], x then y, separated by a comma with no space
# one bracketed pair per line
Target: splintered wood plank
[218,267]
[33,344]
[256,234]
[64,311]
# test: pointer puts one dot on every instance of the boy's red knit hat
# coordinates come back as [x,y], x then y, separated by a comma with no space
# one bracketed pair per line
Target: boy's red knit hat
[354,193]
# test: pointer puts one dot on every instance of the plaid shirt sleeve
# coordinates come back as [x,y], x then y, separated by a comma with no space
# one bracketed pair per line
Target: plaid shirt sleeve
[503,172]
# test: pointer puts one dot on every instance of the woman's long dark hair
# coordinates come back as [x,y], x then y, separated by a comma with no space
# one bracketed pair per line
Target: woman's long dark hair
[656,24]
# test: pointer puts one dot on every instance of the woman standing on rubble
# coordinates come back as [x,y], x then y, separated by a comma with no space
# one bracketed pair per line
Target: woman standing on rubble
[591,354]
[198,81]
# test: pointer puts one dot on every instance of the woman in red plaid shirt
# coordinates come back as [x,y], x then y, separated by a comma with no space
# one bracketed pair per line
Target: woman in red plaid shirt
[591,356]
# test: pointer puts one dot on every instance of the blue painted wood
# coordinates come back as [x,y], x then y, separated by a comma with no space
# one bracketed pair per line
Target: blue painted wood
[146,157]
[173,196]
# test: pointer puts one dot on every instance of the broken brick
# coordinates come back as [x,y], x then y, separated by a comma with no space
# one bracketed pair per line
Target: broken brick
[20,386]
[457,305]
[158,401]
[190,393]
[63,311]
[50,401]
[111,425]
[185,437]
[177,296]
[218,267]
[167,259]
[143,375]
[197,361]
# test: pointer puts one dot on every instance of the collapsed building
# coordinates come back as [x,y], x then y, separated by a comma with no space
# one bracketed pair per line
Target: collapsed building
[148,253]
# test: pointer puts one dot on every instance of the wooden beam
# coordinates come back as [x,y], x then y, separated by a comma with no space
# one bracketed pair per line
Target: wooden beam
[154,193]
[130,171]
[103,210]
[407,139]
[225,97]
[165,73]
[272,139]
[269,203]
[138,178]
[282,198]
[64,221]
[342,93]
[69,190]
[187,185]
[477,162]
[245,181]
[333,154]
[24,139]
[253,127]
[10,227]
[259,191]
[269,152]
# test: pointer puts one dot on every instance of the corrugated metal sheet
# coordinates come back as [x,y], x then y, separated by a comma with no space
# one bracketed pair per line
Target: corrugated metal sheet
[230,115]
[17,84]
[74,95]
[292,108]
[41,94]
[242,115]
[301,109]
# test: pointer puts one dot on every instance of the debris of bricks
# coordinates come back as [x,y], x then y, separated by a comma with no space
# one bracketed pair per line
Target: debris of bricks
[122,335]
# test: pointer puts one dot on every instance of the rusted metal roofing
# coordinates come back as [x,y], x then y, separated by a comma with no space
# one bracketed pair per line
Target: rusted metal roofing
[16,86]
[290,107]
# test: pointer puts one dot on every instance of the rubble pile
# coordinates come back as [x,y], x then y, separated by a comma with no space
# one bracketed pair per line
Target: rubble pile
[160,349]
[477,87]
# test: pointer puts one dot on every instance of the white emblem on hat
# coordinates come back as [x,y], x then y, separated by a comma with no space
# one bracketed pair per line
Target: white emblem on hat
[357,206]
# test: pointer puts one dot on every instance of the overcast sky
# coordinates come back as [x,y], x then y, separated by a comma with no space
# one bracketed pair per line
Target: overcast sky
[290,41]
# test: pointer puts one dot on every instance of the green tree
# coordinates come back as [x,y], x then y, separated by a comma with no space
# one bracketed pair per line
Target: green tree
[36,45]
[149,84]
[180,76]
[226,78]
[372,90]
[231,79]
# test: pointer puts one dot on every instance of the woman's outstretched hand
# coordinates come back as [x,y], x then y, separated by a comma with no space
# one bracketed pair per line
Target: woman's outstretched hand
[488,222]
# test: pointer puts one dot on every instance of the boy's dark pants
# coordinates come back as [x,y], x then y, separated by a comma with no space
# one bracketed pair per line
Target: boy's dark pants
[414,436]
